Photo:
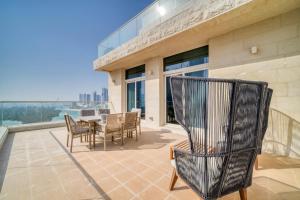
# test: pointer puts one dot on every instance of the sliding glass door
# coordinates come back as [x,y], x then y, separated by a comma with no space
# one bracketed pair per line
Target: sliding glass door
[136,88]
[140,97]
[136,96]
[170,115]
[130,96]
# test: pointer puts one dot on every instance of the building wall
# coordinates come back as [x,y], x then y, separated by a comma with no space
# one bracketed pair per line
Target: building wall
[154,98]
[277,61]
[116,91]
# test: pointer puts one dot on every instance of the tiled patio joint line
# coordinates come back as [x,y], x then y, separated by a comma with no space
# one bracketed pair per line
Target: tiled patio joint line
[82,170]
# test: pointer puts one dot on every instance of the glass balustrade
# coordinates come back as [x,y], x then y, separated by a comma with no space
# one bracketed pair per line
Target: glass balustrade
[156,13]
[26,112]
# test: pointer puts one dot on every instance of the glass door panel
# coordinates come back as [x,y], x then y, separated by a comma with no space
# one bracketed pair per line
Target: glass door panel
[136,96]
[169,103]
[170,115]
[130,96]
[202,73]
[140,97]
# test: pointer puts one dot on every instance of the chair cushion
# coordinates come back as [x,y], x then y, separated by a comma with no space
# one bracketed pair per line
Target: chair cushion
[79,130]
[113,129]
[173,163]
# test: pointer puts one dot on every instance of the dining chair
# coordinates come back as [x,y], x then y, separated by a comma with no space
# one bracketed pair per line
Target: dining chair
[111,128]
[138,121]
[74,130]
[130,124]
[103,111]
[225,121]
[87,112]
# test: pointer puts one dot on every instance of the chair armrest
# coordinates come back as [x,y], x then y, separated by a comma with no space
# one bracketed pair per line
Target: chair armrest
[189,167]
[183,145]
[171,151]
[81,123]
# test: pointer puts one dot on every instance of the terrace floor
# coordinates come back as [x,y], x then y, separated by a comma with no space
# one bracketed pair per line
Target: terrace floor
[37,165]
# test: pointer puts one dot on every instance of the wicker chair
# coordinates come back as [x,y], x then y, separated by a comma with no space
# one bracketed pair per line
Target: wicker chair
[138,121]
[87,112]
[74,130]
[103,111]
[130,124]
[265,122]
[111,128]
[224,121]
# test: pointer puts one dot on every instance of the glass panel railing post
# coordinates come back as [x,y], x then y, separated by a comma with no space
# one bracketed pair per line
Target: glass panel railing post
[119,39]
[1,120]
[41,110]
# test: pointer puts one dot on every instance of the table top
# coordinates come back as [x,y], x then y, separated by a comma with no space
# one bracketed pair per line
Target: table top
[90,118]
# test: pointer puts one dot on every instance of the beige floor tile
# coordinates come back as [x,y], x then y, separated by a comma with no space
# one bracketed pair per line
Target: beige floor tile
[125,176]
[152,193]
[137,184]
[108,184]
[151,175]
[120,193]
[36,167]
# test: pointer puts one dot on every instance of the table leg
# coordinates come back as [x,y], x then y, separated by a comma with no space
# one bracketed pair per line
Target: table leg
[94,134]
[90,133]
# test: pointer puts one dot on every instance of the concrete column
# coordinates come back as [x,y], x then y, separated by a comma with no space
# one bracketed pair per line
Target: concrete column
[154,97]
[116,91]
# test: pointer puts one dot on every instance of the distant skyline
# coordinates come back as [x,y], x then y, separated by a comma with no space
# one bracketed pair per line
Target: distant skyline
[47,46]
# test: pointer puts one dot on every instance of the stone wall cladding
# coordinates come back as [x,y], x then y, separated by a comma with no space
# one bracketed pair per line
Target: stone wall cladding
[191,15]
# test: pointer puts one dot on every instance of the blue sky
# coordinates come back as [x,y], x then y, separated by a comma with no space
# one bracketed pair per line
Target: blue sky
[47,46]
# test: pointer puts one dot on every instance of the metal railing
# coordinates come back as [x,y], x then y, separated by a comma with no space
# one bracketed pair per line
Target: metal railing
[156,13]
[26,112]
[283,135]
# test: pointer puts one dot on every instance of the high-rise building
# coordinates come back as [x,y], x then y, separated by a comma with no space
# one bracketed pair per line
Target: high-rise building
[81,98]
[95,97]
[104,95]
[88,99]
[98,98]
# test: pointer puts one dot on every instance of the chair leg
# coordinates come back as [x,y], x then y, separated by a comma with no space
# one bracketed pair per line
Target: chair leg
[256,163]
[94,140]
[243,193]
[67,140]
[173,180]
[136,135]
[80,137]
[112,138]
[122,137]
[90,140]
[71,144]
[140,129]
[104,143]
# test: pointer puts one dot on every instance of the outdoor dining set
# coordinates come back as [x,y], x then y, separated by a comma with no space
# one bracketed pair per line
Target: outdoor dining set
[225,121]
[104,125]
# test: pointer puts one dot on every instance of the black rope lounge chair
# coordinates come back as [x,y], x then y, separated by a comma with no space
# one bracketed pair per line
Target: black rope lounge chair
[225,121]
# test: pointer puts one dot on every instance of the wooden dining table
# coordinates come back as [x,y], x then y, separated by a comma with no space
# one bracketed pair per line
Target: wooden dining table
[93,121]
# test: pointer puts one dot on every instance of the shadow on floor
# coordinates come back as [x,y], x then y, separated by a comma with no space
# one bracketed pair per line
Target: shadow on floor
[269,187]
[271,161]
[147,140]
[83,171]
[4,157]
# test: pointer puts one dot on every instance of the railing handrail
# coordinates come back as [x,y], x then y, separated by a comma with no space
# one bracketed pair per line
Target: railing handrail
[39,101]
[286,115]
[105,43]
[127,22]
